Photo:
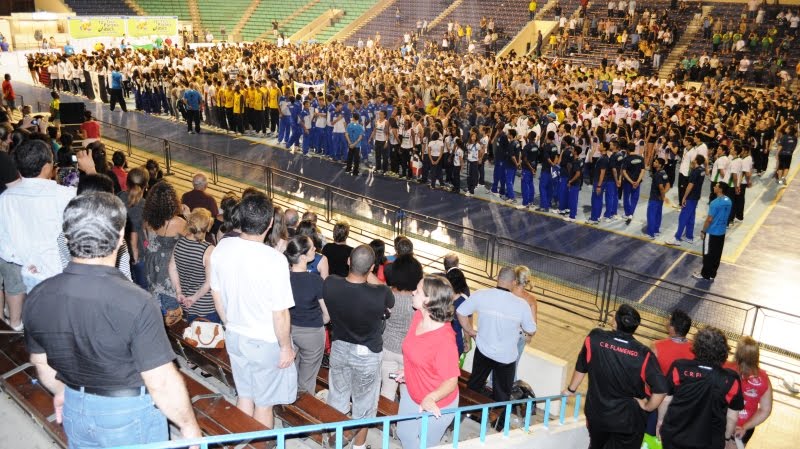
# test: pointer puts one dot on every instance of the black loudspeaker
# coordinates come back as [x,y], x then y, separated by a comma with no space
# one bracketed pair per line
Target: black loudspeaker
[72,113]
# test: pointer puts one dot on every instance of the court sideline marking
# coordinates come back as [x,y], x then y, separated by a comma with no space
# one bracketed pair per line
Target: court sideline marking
[662,277]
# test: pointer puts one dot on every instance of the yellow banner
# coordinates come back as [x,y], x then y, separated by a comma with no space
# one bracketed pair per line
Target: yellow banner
[81,28]
[152,26]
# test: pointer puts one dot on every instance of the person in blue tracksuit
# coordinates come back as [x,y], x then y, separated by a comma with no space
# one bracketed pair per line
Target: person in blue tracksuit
[632,176]
[574,181]
[498,176]
[338,141]
[564,175]
[530,159]
[330,109]
[601,178]
[658,192]
[550,158]
[296,128]
[689,202]
[307,124]
[365,118]
[511,164]
[284,123]
[320,122]
[612,191]
[354,134]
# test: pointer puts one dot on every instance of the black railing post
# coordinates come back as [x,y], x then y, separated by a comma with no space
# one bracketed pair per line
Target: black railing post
[328,204]
[167,157]
[268,181]
[128,141]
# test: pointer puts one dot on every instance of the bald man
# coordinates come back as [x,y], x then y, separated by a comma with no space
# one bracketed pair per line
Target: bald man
[198,197]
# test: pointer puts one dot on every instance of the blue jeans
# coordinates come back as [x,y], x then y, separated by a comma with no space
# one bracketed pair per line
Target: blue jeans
[92,421]
[212,317]
[354,376]
[167,303]
[138,274]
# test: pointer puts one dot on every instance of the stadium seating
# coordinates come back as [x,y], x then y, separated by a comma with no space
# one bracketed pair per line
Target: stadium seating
[353,9]
[100,7]
[218,14]
[178,8]
[385,22]
[267,11]
[509,18]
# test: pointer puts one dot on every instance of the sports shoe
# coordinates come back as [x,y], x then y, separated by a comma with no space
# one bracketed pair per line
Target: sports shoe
[648,236]
[691,241]
[698,275]
[511,201]
[569,219]
[673,242]
[592,222]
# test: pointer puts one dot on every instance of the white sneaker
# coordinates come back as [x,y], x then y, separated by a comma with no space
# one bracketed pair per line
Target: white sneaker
[569,219]
[592,222]
[673,242]
[691,241]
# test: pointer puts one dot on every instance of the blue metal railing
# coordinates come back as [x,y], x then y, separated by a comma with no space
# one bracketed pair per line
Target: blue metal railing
[385,422]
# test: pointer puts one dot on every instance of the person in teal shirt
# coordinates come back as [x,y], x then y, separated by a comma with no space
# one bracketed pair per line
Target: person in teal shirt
[713,233]
[354,134]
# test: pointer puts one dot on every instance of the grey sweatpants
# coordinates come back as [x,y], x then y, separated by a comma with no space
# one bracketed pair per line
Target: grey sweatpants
[309,346]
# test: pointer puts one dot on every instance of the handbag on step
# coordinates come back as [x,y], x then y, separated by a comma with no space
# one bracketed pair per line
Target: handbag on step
[204,334]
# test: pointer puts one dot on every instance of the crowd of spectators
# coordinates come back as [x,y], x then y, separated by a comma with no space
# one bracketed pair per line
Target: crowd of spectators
[749,49]
[251,265]
[266,273]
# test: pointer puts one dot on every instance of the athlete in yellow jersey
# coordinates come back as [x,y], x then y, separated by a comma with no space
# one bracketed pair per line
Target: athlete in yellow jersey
[229,100]
[272,103]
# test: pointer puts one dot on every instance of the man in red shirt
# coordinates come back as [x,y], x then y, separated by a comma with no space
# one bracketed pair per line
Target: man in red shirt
[8,92]
[677,346]
[90,129]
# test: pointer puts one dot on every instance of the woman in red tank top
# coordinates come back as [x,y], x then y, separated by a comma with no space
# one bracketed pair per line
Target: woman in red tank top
[756,388]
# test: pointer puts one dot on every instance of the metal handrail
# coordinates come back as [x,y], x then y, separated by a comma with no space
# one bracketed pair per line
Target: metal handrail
[385,423]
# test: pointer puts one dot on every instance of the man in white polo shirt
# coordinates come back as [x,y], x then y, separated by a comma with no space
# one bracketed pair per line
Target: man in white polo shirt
[694,146]
[253,295]
[501,315]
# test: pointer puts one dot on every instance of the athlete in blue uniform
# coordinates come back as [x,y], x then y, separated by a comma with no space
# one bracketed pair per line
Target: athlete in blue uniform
[658,192]
[530,159]
[550,159]
[689,202]
[512,163]
[632,176]
[601,178]
[574,181]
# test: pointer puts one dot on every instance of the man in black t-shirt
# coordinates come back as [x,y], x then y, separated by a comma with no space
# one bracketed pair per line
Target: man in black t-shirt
[512,163]
[602,178]
[549,156]
[356,309]
[625,383]
[704,399]
[98,341]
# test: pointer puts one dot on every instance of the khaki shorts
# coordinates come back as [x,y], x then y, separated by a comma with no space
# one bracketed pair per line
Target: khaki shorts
[11,278]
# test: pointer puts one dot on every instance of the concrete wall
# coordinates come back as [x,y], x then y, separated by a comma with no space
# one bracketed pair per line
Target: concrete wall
[547,374]
[571,435]
[528,36]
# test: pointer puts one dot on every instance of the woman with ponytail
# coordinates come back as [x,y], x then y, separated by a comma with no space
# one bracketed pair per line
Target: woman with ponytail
[136,182]
[190,268]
